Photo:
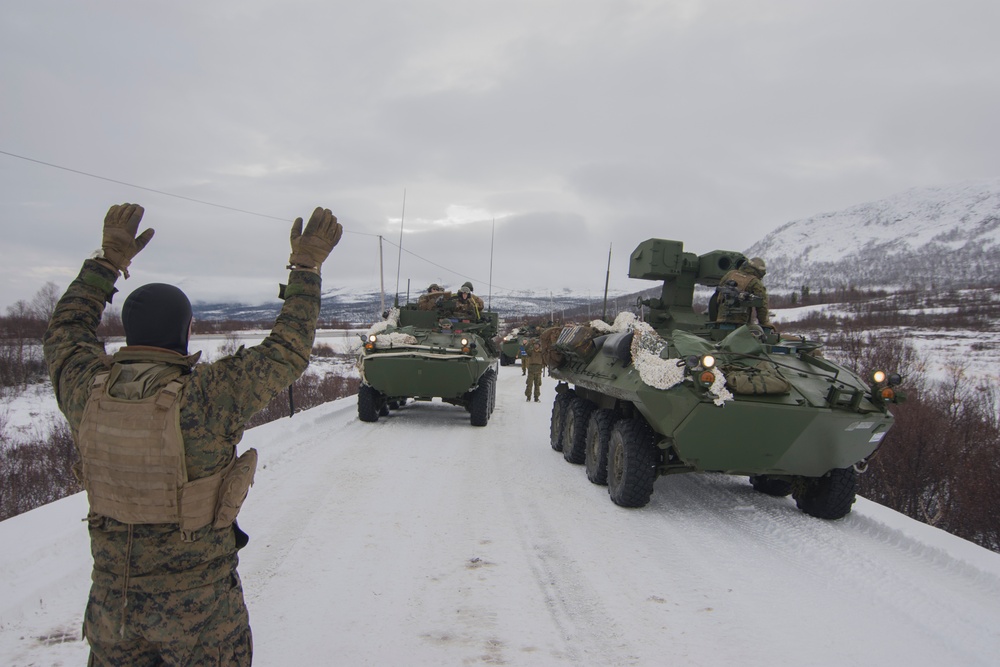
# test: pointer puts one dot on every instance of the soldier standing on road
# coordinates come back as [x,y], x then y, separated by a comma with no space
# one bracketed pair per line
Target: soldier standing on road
[523,353]
[157,438]
[535,365]
[745,280]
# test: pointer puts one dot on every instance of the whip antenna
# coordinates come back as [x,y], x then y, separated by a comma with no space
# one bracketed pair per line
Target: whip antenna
[493,232]
[399,258]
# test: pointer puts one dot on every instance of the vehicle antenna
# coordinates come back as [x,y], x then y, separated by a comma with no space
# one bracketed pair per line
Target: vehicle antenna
[381,274]
[399,258]
[607,278]
[489,300]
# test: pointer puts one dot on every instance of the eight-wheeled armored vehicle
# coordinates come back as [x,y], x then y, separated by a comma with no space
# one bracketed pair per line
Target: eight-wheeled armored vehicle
[426,354]
[681,393]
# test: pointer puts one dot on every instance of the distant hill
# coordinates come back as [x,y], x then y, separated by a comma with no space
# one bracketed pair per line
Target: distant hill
[925,238]
[363,308]
[937,237]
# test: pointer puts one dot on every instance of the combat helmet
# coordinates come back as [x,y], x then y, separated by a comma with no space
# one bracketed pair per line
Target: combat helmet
[757,264]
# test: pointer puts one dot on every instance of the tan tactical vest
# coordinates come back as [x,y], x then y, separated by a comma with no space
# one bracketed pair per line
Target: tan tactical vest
[133,464]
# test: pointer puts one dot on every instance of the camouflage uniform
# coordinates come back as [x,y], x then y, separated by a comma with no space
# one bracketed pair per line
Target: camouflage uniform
[535,364]
[747,279]
[431,299]
[152,593]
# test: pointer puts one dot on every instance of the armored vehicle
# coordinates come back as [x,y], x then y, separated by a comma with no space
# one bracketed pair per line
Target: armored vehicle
[512,344]
[426,354]
[682,393]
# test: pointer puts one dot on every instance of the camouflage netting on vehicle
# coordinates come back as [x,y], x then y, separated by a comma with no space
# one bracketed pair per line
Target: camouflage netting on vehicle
[552,357]
[394,339]
[391,320]
[647,351]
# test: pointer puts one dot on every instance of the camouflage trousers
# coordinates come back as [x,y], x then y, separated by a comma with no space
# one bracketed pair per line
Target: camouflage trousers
[208,625]
[534,381]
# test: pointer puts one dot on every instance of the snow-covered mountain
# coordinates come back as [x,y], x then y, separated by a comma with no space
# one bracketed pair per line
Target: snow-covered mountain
[936,237]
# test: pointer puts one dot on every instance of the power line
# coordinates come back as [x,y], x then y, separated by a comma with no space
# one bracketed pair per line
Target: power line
[142,187]
[223,206]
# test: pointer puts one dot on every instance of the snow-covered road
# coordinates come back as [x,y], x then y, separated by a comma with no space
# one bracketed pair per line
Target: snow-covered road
[421,540]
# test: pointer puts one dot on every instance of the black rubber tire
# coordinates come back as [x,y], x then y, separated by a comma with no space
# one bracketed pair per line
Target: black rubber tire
[505,360]
[574,436]
[479,405]
[772,487]
[632,459]
[828,497]
[493,390]
[559,406]
[369,403]
[596,445]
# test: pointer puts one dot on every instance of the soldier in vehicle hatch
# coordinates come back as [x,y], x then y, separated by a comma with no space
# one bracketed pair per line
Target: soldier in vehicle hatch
[467,304]
[432,298]
[157,439]
[737,289]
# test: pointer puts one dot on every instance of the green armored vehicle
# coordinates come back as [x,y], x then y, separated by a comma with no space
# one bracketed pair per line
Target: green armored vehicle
[513,343]
[425,354]
[682,393]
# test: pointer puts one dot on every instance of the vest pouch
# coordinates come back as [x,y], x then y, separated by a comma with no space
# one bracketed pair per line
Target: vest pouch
[236,484]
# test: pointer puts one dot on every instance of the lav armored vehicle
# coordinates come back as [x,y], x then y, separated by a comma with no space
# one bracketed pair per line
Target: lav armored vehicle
[680,393]
[426,354]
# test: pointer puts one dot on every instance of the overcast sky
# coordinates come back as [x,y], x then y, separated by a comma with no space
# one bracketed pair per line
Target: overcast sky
[555,128]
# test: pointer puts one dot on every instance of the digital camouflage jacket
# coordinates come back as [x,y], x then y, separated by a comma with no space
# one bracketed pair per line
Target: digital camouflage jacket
[218,400]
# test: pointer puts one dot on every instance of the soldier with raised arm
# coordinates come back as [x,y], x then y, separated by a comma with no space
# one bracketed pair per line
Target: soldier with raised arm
[157,438]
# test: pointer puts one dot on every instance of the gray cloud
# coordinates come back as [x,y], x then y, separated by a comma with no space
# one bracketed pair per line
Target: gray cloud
[571,124]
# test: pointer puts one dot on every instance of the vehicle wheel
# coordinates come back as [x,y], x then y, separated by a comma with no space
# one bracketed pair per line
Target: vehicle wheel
[829,496]
[632,458]
[596,451]
[558,416]
[493,390]
[479,406]
[505,360]
[370,402]
[574,436]
[771,486]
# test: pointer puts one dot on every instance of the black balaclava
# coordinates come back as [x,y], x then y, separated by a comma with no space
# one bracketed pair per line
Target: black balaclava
[157,315]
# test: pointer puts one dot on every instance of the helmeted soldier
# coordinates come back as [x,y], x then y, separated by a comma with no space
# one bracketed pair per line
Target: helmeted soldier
[738,291]
[432,298]
[535,363]
[157,439]
[467,304]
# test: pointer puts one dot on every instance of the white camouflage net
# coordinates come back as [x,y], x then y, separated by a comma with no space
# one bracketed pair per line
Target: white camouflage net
[646,348]
[391,320]
[394,339]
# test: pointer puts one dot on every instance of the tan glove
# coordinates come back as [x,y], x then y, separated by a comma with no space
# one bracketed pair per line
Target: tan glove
[120,243]
[311,247]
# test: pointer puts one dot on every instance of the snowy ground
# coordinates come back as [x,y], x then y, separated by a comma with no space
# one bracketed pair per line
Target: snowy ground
[421,540]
